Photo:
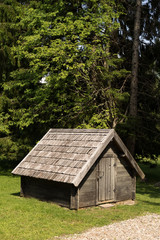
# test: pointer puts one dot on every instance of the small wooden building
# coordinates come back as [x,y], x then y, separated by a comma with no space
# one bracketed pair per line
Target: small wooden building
[79,168]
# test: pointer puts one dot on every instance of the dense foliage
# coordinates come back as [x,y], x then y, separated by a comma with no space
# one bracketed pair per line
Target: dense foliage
[67,64]
[148,119]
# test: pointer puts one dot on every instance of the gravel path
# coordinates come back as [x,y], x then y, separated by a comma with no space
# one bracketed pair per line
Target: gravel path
[140,228]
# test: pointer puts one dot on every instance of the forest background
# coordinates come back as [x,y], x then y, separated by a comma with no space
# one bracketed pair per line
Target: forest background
[71,64]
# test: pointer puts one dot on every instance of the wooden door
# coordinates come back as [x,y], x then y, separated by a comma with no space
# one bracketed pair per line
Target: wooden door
[106,180]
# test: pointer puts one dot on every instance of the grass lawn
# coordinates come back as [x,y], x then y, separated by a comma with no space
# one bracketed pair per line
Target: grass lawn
[30,219]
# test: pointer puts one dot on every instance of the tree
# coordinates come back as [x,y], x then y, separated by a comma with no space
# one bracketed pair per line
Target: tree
[149,80]
[65,74]
[134,76]
[147,120]
[8,30]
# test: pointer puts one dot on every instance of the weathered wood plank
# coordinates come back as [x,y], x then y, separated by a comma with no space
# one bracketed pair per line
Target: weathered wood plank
[113,179]
[93,158]
[46,190]
[122,172]
[123,179]
[128,155]
[102,180]
[68,156]
[79,130]
[74,198]
[79,164]
[76,137]
[39,147]
[87,191]
[134,188]
[124,193]
[68,143]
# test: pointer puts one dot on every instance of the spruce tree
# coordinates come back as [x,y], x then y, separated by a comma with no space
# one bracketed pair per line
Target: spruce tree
[147,120]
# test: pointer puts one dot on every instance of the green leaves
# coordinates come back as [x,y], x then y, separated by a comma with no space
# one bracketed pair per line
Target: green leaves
[64,73]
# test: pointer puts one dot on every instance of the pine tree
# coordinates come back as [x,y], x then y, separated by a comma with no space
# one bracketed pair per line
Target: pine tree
[147,120]
[134,76]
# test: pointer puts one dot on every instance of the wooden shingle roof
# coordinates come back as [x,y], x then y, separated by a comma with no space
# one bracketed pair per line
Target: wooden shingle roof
[66,155]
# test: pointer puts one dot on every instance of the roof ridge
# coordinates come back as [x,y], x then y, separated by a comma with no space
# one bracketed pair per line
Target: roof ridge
[78,130]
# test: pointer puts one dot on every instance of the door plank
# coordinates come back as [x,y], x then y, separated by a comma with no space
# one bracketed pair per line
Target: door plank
[106,179]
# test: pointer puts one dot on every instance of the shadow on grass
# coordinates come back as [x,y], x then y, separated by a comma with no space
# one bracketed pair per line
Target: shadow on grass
[152,174]
[148,189]
[151,203]
[16,194]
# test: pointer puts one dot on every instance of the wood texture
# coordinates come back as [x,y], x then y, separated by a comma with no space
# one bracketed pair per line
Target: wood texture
[87,189]
[106,179]
[46,190]
[128,155]
[101,147]
[125,180]
[67,155]
[78,175]
[64,155]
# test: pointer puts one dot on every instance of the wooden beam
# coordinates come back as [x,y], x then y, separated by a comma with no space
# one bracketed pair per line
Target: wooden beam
[128,155]
[93,158]
[66,130]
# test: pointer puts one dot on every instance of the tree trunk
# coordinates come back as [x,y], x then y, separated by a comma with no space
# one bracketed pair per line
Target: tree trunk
[134,77]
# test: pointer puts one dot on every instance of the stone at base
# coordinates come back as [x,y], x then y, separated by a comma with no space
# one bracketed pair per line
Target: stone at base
[127,202]
[108,205]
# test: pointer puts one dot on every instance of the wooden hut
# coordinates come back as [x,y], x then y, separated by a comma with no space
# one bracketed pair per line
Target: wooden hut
[79,168]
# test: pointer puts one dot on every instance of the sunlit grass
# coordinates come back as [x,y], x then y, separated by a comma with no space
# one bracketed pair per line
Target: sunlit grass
[30,219]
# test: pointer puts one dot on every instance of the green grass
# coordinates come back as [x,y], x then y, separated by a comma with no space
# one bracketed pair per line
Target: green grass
[30,219]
